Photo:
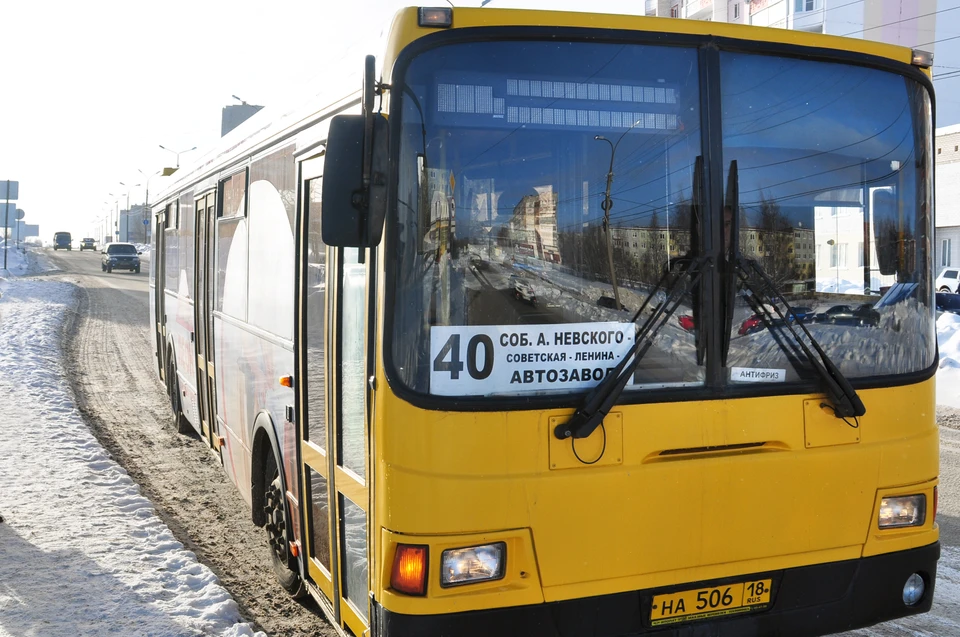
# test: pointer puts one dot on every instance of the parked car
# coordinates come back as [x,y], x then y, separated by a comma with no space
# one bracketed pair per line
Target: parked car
[87,244]
[863,314]
[800,313]
[753,323]
[610,303]
[120,256]
[686,322]
[949,303]
[948,280]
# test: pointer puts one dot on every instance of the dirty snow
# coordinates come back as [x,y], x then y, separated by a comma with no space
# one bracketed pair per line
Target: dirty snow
[82,552]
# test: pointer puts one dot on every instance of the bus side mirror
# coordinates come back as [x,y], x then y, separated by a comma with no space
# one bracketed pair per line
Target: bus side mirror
[355,173]
[352,216]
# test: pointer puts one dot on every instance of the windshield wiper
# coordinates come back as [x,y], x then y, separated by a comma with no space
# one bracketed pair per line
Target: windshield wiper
[730,246]
[599,400]
[846,402]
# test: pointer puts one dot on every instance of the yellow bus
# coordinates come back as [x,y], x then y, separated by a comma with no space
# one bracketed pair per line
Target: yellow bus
[574,324]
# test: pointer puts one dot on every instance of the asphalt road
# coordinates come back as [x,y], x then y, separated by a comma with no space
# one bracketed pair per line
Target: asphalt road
[113,372]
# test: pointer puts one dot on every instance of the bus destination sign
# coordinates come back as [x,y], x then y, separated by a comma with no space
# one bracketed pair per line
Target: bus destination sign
[485,360]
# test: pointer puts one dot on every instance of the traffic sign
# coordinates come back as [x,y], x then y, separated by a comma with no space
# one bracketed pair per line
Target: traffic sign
[8,213]
[10,190]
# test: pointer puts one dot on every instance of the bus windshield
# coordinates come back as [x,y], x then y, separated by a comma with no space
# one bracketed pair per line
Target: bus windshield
[545,187]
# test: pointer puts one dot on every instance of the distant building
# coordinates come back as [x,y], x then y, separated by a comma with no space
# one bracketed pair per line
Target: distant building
[902,22]
[234,115]
[637,241]
[533,227]
[131,226]
[947,157]
[441,209]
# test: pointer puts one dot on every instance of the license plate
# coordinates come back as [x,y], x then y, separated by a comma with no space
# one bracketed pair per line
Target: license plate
[716,601]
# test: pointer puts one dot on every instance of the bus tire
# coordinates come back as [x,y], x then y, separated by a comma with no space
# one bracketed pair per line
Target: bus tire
[277,523]
[173,390]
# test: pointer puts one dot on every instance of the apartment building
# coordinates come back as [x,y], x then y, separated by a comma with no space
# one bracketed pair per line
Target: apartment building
[947,154]
[904,22]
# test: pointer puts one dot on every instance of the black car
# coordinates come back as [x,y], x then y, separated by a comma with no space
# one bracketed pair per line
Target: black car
[88,244]
[861,315]
[947,302]
[610,303]
[120,256]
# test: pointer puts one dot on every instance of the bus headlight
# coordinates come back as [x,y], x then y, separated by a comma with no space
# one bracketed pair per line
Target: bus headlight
[904,510]
[473,564]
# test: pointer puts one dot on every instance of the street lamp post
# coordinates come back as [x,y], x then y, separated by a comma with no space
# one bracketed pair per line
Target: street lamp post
[607,205]
[146,199]
[105,222]
[114,229]
[95,229]
[177,153]
[128,210]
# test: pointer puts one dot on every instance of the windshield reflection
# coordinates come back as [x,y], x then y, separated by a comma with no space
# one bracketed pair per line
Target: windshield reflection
[552,183]
[831,201]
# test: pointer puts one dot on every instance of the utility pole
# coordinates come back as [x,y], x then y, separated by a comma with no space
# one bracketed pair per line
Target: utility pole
[10,191]
[146,197]
[607,205]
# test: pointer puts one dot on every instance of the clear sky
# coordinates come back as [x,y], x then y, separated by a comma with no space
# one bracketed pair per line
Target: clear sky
[91,90]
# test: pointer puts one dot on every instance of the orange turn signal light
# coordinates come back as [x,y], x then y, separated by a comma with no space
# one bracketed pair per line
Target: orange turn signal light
[410,569]
[286,381]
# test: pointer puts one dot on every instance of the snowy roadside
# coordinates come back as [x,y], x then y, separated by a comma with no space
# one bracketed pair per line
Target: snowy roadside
[82,552]
[948,376]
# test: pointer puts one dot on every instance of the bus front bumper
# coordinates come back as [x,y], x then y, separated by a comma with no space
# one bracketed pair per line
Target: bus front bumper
[807,601]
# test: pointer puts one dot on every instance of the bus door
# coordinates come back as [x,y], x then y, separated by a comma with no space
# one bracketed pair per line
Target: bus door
[157,267]
[205,208]
[331,372]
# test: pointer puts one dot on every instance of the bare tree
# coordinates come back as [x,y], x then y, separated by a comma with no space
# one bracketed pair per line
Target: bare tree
[775,243]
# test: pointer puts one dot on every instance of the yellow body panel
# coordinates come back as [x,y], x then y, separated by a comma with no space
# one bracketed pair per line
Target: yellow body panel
[697,512]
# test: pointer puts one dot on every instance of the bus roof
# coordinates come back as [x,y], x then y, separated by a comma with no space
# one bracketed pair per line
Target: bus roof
[405,29]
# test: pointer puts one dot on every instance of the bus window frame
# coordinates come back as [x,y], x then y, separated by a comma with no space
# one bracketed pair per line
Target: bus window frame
[221,181]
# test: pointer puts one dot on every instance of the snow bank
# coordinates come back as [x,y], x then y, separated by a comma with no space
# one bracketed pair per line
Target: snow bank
[82,552]
[948,376]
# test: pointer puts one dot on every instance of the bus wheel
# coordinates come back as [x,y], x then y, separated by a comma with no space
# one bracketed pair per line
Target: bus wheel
[275,512]
[183,425]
